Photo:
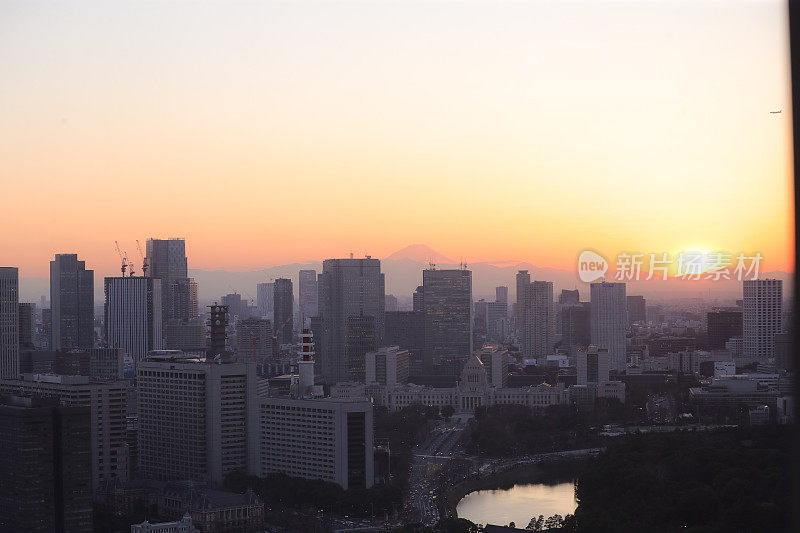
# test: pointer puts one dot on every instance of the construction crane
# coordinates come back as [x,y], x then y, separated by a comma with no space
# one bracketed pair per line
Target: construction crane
[144,259]
[123,259]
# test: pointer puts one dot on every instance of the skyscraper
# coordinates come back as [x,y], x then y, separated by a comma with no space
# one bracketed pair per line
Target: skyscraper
[501,294]
[307,287]
[447,305]
[360,340]
[45,457]
[762,314]
[166,259]
[637,309]
[608,315]
[9,322]
[253,340]
[133,315]
[71,303]
[538,318]
[27,325]
[265,300]
[197,420]
[284,310]
[347,288]
[523,281]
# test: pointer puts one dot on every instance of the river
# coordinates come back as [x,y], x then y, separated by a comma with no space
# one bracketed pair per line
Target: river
[518,504]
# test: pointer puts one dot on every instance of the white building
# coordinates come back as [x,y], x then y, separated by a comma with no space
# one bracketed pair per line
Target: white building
[107,402]
[198,420]
[387,366]
[495,359]
[9,322]
[762,313]
[607,318]
[326,438]
[133,315]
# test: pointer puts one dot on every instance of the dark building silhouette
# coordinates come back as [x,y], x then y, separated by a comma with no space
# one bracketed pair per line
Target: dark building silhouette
[447,304]
[71,303]
[283,301]
[575,326]
[723,324]
[568,297]
[360,340]
[307,300]
[637,309]
[27,325]
[45,458]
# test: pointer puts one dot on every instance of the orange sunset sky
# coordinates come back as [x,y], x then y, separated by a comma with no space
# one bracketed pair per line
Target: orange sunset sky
[277,132]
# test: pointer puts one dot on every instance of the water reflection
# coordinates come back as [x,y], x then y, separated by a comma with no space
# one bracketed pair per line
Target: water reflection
[518,504]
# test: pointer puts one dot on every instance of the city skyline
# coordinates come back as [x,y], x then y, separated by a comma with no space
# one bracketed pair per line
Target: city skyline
[573,131]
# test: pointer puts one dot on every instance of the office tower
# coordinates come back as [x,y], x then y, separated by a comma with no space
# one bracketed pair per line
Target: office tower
[388,366]
[254,340]
[593,365]
[45,458]
[186,335]
[406,329]
[417,300]
[71,303]
[783,352]
[107,403]
[391,303]
[307,300]
[182,299]
[479,315]
[72,363]
[495,360]
[360,339]
[198,420]
[568,297]
[9,322]
[237,306]
[284,311]
[501,294]
[608,313]
[523,282]
[575,327]
[133,315]
[447,304]
[46,336]
[27,325]
[106,364]
[166,260]
[538,319]
[762,313]
[265,298]
[496,313]
[347,288]
[636,309]
[723,324]
[328,439]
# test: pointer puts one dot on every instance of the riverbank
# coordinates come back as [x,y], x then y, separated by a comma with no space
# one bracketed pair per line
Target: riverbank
[546,473]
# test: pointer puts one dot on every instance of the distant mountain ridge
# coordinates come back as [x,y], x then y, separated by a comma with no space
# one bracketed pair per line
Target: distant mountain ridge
[419,253]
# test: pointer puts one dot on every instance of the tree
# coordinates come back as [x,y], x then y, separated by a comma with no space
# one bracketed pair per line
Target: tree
[447,411]
[536,523]
[553,522]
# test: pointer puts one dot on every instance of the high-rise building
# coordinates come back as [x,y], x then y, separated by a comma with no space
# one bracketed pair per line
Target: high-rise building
[495,360]
[106,364]
[237,305]
[182,299]
[360,339]
[523,281]
[198,420]
[45,458]
[538,326]
[569,297]
[328,439]
[575,327]
[723,324]
[71,303]
[406,329]
[166,259]
[593,365]
[27,325]
[391,303]
[253,340]
[186,335]
[388,366]
[265,298]
[133,315]
[284,311]
[762,313]
[347,288]
[608,314]
[417,300]
[107,402]
[501,294]
[447,304]
[637,309]
[9,322]
[307,296]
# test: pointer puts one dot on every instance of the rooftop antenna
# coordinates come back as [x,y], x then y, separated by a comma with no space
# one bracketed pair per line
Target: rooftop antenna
[122,258]
[144,259]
